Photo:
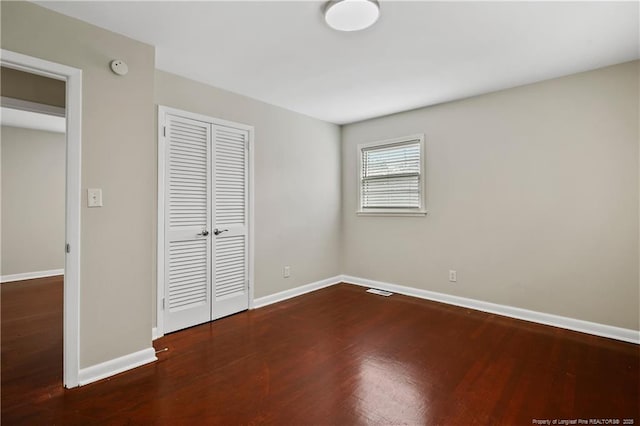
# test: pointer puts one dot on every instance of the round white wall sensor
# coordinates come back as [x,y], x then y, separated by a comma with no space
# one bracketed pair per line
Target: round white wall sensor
[119,67]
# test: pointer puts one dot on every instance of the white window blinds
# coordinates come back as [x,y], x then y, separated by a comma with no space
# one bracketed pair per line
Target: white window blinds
[391,175]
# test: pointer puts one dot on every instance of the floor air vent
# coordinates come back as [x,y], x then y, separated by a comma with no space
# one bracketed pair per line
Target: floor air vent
[379,292]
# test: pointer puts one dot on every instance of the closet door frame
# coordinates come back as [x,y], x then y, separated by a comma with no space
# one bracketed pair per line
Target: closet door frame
[158,330]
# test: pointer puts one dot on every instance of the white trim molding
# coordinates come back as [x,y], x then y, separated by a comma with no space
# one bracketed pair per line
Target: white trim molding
[115,366]
[603,330]
[73,78]
[298,291]
[22,105]
[32,120]
[158,330]
[31,275]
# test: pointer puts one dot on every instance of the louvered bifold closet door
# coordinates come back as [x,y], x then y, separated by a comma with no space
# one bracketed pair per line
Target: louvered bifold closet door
[230,272]
[187,223]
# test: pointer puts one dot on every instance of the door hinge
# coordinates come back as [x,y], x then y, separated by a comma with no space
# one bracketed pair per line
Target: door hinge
[163,303]
[164,131]
[67,248]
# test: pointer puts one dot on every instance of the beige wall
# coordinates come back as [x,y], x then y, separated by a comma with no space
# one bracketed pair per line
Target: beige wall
[33,193]
[532,196]
[297,182]
[31,87]
[118,152]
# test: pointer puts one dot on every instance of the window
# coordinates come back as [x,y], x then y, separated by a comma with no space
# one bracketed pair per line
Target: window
[392,176]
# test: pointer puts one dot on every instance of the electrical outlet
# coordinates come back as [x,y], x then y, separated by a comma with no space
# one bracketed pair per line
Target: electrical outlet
[453,276]
[286,271]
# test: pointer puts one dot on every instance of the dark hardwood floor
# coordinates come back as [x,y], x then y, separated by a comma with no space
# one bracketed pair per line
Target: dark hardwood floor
[338,356]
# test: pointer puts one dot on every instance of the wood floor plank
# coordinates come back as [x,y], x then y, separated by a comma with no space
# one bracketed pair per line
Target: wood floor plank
[337,356]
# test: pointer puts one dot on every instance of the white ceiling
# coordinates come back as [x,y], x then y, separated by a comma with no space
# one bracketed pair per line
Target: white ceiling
[417,54]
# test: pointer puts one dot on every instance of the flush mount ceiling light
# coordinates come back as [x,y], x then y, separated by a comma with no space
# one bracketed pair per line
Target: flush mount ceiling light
[351,15]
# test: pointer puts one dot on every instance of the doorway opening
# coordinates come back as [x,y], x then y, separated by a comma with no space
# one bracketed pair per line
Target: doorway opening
[33,146]
[69,80]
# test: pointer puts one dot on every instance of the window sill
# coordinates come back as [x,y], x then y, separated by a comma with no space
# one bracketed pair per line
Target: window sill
[393,213]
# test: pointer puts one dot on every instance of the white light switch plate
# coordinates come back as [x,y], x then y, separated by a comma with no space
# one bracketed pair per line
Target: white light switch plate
[94,197]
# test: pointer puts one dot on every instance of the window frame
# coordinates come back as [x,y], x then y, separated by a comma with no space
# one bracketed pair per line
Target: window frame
[393,211]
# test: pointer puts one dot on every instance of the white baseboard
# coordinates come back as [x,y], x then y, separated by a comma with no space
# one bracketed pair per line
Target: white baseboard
[618,333]
[288,294]
[115,366]
[31,275]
